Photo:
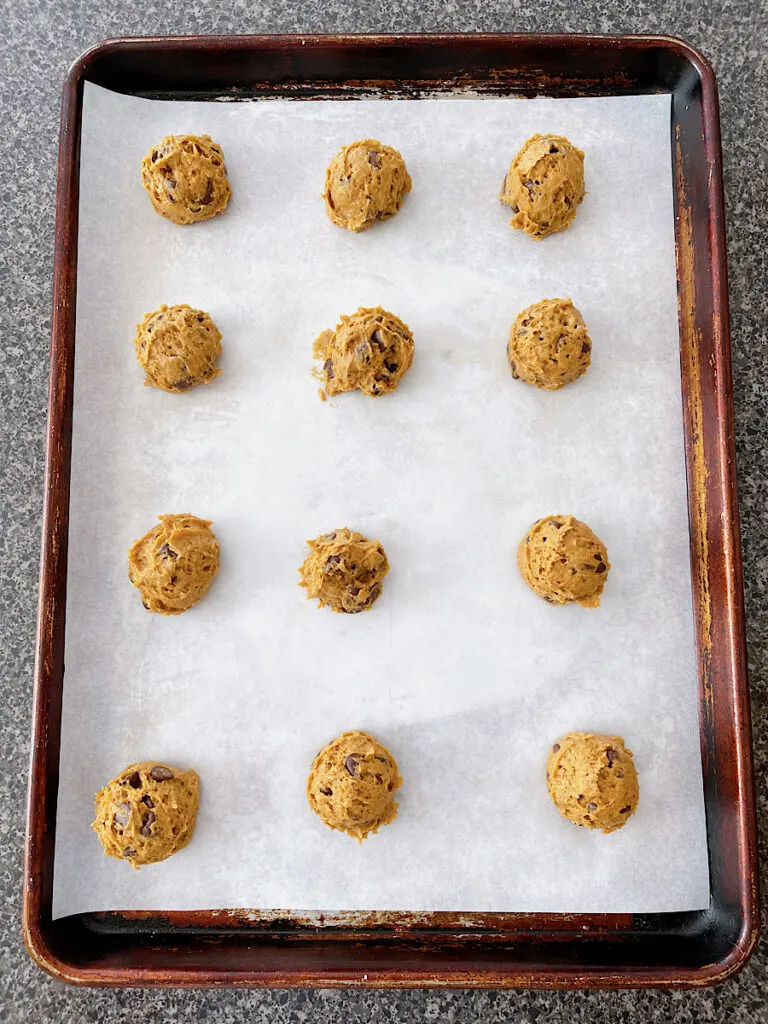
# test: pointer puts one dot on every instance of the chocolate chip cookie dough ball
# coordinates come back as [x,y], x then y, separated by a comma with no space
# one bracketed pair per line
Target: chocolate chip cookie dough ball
[549,345]
[369,350]
[352,785]
[592,780]
[174,564]
[186,178]
[562,561]
[544,185]
[147,812]
[364,183]
[177,347]
[344,570]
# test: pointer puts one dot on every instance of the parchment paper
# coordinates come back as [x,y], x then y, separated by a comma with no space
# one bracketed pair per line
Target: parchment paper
[459,668]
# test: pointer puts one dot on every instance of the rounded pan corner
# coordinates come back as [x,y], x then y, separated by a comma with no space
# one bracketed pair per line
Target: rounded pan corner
[685,51]
[43,955]
[739,953]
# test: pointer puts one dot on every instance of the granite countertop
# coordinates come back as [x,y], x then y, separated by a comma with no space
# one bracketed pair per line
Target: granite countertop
[40,40]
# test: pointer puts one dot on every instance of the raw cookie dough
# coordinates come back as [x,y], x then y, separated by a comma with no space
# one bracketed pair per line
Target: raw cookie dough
[544,185]
[147,812]
[592,780]
[177,347]
[174,564]
[186,178]
[562,560]
[549,345]
[369,350]
[352,784]
[344,570]
[365,182]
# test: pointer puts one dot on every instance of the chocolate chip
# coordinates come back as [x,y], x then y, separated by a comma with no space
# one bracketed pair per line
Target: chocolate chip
[160,773]
[170,183]
[391,367]
[625,810]
[133,780]
[128,852]
[374,158]
[208,195]
[350,763]
[326,790]
[182,384]
[167,551]
[553,149]
[548,599]
[372,595]
[592,806]
[586,347]
[513,368]
[382,759]
[148,801]
[555,747]
[146,829]
[515,209]
[328,367]
[619,774]
[122,815]
[529,185]
[598,558]
[566,200]
[378,341]
[353,591]
[556,523]
[612,755]
[379,779]
[600,568]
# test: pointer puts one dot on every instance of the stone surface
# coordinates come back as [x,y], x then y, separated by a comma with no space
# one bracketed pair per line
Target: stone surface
[39,41]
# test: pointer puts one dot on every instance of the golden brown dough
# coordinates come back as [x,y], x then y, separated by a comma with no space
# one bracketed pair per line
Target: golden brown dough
[147,812]
[177,347]
[549,345]
[544,185]
[344,570]
[562,561]
[365,182]
[369,350]
[186,178]
[174,564]
[592,780]
[352,784]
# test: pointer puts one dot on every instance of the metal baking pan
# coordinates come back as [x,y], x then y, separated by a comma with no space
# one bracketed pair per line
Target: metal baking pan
[391,950]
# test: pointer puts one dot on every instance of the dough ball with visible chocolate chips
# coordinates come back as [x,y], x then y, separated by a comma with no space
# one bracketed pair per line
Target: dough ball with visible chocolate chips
[563,561]
[592,780]
[186,178]
[369,350]
[352,785]
[544,185]
[365,182]
[147,812]
[174,564]
[549,345]
[177,347]
[344,570]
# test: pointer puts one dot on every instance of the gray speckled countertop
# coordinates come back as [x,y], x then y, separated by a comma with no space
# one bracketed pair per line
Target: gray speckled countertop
[39,41]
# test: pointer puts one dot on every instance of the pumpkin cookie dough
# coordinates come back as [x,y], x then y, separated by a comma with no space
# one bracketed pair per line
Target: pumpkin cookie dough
[592,780]
[369,350]
[177,348]
[344,570]
[147,813]
[186,178]
[352,784]
[174,564]
[365,182]
[549,345]
[544,185]
[562,561]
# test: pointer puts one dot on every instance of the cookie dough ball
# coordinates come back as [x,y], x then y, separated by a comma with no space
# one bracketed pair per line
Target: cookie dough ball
[177,347]
[352,785]
[549,345]
[364,183]
[344,570]
[147,812]
[174,564]
[562,560]
[592,780]
[186,178]
[369,350]
[544,185]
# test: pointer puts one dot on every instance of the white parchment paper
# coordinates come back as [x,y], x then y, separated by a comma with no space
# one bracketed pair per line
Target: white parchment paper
[459,668]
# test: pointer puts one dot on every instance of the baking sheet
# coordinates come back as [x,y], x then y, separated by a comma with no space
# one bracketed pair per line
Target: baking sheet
[459,668]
